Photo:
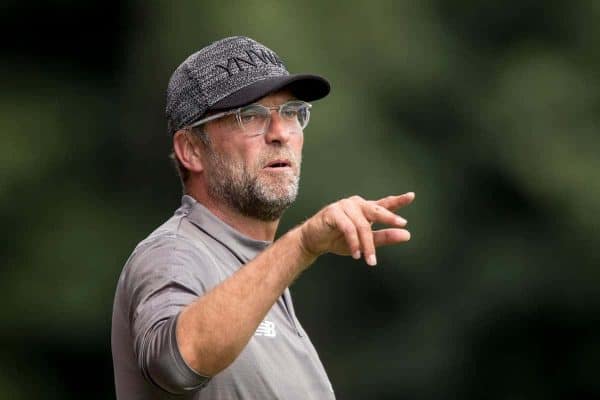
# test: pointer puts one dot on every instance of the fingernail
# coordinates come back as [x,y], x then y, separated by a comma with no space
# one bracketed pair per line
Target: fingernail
[401,221]
[411,194]
[356,255]
[372,260]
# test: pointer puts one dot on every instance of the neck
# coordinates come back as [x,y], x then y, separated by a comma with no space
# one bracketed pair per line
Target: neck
[249,226]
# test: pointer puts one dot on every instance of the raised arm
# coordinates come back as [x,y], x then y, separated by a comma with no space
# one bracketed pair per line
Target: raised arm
[212,331]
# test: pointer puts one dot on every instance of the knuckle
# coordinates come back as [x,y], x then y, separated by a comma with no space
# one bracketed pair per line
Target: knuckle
[344,202]
[377,209]
[329,217]
[363,226]
[328,221]
[350,233]
[345,229]
[330,209]
[356,198]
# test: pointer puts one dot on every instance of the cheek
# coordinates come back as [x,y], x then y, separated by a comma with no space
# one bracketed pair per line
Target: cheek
[248,161]
[230,151]
[297,145]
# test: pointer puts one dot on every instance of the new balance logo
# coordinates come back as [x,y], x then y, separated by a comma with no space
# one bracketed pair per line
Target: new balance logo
[266,328]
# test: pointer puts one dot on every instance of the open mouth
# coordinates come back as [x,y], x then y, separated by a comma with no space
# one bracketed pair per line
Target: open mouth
[279,164]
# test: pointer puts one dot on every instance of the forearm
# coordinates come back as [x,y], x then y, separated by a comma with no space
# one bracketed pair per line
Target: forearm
[212,331]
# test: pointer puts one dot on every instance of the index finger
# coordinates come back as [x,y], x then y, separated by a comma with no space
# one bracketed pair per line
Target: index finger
[393,203]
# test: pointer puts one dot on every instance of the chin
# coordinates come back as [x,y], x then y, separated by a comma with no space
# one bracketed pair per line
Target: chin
[281,196]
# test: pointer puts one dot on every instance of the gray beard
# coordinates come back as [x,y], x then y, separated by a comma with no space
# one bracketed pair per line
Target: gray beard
[261,197]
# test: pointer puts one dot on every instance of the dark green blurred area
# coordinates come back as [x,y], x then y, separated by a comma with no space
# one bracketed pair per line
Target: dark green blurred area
[488,110]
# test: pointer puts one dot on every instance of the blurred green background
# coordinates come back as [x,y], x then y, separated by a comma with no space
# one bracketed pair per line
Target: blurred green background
[488,110]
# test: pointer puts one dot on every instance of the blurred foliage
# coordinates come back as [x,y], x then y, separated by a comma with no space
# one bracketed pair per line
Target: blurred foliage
[488,110]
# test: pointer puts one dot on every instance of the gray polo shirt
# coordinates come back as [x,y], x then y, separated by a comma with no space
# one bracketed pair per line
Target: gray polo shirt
[185,258]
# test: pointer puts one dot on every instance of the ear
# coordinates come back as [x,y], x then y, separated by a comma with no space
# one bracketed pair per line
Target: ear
[187,151]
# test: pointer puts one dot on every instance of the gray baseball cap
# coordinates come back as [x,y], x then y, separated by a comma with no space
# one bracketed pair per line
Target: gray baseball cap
[230,73]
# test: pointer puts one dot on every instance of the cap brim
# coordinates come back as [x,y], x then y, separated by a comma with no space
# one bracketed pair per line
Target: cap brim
[304,86]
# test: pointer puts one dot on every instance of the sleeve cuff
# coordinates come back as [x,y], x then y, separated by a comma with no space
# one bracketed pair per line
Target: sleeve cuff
[169,370]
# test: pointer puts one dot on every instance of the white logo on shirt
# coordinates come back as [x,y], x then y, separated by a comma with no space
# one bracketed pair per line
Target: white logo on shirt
[266,328]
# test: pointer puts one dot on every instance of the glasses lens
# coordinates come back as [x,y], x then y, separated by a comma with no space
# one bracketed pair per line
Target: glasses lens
[254,118]
[296,111]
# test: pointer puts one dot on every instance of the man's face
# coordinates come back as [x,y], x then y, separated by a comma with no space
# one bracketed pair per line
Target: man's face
[256,175]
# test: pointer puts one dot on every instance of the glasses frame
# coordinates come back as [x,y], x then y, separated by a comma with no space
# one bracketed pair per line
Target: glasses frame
[237,112]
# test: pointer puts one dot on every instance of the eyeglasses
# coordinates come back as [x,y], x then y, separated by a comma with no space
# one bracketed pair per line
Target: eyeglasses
[254,119]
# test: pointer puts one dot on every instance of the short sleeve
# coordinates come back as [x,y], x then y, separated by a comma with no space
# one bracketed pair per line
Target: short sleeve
[163,277]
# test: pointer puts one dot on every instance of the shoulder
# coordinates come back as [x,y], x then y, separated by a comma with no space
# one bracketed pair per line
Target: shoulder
[174,253]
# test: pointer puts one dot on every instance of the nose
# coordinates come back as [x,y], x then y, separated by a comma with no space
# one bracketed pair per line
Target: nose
[278,130]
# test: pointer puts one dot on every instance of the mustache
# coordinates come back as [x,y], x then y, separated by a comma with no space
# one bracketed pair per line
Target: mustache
[284,153]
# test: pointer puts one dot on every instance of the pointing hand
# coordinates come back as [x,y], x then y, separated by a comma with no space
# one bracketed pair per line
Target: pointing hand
[344,227]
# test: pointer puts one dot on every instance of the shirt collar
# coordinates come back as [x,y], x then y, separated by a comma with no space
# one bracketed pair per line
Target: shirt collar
[243,247]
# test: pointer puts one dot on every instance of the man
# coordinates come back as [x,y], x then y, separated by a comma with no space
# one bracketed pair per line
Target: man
[202,308]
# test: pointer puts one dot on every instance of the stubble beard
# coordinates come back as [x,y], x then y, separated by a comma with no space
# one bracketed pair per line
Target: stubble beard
[252,191]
